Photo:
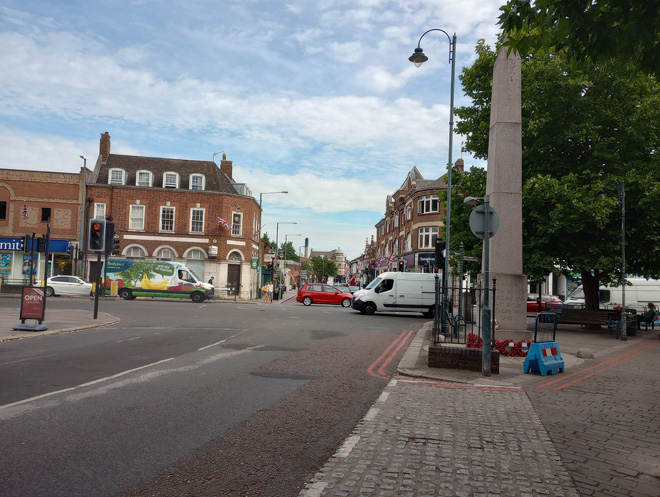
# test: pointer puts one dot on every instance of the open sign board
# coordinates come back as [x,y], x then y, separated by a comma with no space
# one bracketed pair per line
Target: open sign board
[33,303]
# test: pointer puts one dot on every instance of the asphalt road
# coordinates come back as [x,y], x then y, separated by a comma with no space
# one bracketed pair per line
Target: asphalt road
[187,399]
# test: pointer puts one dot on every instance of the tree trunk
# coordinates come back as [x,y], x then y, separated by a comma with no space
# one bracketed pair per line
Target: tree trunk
[590,284]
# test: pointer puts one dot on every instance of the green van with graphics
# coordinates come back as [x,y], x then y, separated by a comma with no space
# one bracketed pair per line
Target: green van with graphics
[148,278]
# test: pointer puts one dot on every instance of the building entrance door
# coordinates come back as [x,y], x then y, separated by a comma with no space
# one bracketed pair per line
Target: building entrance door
[233,279]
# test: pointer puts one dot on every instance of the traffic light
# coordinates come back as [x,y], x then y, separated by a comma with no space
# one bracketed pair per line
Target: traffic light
[109,237]
[116,250]
[26,243]
[70,251]
[440,253]
[96,235]
[401,266]
[270,267]
[41,244]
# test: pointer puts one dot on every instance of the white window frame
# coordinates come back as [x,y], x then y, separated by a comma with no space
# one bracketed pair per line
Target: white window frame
[170,185]
[427,203]
[202,186]
[161,219]
[135,252]
[408,242]
[408,213]
[236,229]
[112,181]
[396,219]
[192,220]
[99,210]
[150,180]
[135,221]
[427,237]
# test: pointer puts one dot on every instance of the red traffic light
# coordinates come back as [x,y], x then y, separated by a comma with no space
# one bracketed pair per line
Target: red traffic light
[96,226]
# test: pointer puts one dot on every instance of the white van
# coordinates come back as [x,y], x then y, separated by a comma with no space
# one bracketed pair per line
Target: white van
[639,292]
[398,292]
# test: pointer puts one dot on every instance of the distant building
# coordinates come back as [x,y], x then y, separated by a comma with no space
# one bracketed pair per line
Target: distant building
[189,211]
[336,256]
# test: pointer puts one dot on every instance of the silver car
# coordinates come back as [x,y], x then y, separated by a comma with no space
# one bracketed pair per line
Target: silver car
[66,285]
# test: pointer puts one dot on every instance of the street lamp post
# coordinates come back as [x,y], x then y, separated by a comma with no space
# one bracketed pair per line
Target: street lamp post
[285,242]
[259,276]
[418,58]
[621,196]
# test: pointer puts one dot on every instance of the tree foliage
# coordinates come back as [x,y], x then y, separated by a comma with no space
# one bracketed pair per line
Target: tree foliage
[319,268]
[289,252]
[585,131]
[586,31]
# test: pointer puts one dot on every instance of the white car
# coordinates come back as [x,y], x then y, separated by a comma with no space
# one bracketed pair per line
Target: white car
[66,285]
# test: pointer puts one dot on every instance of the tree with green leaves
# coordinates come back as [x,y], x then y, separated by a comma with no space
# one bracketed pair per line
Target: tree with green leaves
[319,268]
[607,32]
[266,240]
[289,252]
[585,130]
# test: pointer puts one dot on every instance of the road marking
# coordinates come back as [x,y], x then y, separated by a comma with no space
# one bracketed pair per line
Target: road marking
[348,445]
[315,490]
[212,345]
[128,339]
[392,350]
[371,414]
[32,399]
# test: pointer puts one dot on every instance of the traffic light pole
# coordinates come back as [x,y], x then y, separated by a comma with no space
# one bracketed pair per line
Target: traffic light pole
[98,282]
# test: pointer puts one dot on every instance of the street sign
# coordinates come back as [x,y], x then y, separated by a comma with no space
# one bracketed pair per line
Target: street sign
[478,221]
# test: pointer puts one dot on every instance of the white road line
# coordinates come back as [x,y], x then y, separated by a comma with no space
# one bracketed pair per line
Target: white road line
[348,445]
[212,345]
[32,399]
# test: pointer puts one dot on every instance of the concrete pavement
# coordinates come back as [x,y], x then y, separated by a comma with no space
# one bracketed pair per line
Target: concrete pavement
[592,430]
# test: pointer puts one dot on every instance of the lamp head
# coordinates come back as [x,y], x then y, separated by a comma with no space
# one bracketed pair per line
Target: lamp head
[418,58]
[472,200]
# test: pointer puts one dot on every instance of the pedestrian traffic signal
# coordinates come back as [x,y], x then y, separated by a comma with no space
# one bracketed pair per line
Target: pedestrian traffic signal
[96,235]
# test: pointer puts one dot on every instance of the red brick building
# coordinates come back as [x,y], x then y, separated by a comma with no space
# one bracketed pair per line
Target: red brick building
[181,210]
[413,218]
[30,202]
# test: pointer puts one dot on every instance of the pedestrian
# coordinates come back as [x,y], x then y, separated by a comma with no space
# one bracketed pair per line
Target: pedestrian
[211,280]
[264,291]
[648,317]
[270,292]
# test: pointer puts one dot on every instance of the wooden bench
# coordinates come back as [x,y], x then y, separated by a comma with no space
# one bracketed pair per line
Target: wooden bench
[603,317]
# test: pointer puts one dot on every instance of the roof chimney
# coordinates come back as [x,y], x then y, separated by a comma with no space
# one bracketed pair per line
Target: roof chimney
[104,148]
[226,167]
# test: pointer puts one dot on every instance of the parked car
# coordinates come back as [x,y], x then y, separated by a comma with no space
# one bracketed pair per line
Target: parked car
[66,285]
[547,303]
[321,293]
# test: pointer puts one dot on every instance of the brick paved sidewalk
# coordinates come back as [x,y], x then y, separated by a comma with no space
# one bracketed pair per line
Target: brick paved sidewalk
[427,440]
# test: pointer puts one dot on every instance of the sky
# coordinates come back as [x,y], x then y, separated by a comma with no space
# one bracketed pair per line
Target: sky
[315,97]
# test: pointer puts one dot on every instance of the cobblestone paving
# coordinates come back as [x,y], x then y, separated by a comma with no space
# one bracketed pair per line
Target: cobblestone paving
[606,428]
[428,441]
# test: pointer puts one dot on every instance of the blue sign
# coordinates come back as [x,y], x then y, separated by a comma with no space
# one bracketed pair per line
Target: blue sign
[426,259]
[16,245]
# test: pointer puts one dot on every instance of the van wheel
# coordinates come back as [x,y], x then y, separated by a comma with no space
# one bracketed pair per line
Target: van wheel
[197,297]
[369,308]
[346,303]
[307,301]
[125,294]
[430,313]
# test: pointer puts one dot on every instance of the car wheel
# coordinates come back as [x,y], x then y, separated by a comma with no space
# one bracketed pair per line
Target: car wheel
[346,303]
[197,297]
[307,301]
[125,294]
[49,292]
[369,308]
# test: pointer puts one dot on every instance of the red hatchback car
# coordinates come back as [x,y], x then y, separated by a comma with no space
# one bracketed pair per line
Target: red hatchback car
[547,303]
[320,293]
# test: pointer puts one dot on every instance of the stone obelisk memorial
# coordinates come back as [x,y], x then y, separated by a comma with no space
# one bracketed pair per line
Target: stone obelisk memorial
[504,185]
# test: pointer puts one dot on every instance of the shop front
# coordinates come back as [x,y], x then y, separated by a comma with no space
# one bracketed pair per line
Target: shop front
[17,267]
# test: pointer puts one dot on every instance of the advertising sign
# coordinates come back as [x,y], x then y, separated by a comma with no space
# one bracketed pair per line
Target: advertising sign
[30,264]
[5,263]
[33,303]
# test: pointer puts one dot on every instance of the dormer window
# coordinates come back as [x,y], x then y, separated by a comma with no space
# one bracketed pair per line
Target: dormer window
[197,182]
[170,180]
[143,178]
[116,177]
